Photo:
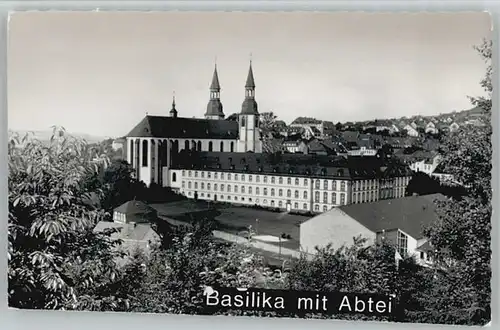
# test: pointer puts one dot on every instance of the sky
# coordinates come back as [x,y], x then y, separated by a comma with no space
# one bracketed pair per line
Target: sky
[100,73]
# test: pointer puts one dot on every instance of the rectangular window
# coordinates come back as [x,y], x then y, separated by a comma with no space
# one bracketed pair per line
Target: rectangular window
[229,176]
[196,185]
[183,184]
[196,174]
[190,173]
[209,175]
[325,185]
[334,198]
[222,176]
[316,184]
[342,186]
[236,177]
[250,178]
[208,186]
[202,174]
[305,182]
[272,179]
[235,189]
[222,187]
[297,181]
[215,186]
[250,190]
[289,181]
[242,177]
[325,197]
[342,199]
[257,178]
[334,185]
[215,175]
[265,179]
[242,189]
[316,197]
[257,191]
[402,244]
[202,185]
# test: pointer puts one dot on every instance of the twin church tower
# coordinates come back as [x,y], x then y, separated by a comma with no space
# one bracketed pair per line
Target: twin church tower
[214,107]
[248,118]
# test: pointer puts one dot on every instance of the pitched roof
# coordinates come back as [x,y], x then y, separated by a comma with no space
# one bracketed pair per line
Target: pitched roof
[291,164]
[409,214]
[170,127]
[215,86]
[137,211]
[250,81]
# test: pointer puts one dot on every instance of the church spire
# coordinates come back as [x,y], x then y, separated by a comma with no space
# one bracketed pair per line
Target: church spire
[173,111]
[249,106]
[215,86]
[250,81]
[214,107]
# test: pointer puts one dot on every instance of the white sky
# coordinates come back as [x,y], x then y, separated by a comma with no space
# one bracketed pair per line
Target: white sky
[99,73]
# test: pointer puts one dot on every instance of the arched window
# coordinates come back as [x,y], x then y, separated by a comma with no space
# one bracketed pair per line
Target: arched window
[243,121]
[288,193]
[296,194]
[221,146]
[232,147]
[199,146]
[304,206]
[210,146]
[186,145]
[305,194]
[145,153]
[193,145]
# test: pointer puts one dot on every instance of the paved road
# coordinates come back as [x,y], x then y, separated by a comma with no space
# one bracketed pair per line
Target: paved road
[256,244]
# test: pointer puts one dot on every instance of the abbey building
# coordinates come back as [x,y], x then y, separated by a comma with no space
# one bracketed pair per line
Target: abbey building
[222,160]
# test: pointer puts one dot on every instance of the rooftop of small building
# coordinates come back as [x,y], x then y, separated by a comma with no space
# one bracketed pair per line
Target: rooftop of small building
[410,214]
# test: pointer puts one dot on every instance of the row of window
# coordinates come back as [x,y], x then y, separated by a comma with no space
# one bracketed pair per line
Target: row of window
[265,179]
[249,190]
[188,145]
[272,203]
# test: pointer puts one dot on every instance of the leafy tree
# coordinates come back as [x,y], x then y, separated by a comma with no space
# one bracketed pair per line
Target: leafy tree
[462,235]
[56,261]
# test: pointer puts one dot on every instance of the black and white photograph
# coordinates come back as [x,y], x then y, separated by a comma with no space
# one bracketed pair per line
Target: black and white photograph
[307,165]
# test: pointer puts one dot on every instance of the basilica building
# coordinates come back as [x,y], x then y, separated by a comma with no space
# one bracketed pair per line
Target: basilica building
[153,143]
[222,160]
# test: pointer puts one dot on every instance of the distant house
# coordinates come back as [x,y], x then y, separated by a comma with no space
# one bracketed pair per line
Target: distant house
[425,162]
[118,144]
[134,220]
[431,128]
[411,130]
[454,127]
[398,221]
[295,146]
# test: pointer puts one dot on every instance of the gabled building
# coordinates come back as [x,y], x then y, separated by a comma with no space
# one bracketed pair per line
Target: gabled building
[134,222]
[399,221]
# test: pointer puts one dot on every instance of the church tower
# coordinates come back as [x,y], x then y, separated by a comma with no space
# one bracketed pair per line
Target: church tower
[248,119]
[214,107]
